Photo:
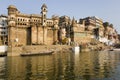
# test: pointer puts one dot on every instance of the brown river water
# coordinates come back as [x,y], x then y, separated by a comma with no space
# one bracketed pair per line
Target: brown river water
[104,65]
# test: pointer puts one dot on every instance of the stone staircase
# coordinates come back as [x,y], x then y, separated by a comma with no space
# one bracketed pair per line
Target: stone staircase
[96,45]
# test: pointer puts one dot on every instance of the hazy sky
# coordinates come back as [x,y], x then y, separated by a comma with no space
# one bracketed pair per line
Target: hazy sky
[108,10]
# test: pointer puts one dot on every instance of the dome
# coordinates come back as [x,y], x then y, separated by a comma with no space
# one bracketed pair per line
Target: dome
[12,6]
[44,5]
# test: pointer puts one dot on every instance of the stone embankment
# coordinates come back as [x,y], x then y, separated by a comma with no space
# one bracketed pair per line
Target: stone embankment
[16,51]
[55,48]
[92,46]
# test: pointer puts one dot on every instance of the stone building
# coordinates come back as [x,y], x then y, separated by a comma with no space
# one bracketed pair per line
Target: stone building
[3,30]
[73,31]
[79,34]
[31,29]
[111,35]
[95,25]
[64,28]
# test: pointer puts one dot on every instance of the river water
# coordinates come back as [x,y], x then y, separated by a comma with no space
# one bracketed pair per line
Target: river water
[103,65]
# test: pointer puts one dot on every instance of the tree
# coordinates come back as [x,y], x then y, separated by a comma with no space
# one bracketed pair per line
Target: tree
[106,24]
[111,25]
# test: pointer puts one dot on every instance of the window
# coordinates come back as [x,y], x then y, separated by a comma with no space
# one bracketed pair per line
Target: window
[1,38]
[2,32]
[44,16]
[2,24]
[12,18]
[44,9]
[44,20]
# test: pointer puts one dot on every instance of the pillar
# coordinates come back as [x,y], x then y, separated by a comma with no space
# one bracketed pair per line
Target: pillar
[34,34]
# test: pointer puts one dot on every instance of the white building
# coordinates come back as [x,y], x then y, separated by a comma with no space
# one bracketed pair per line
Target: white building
[3,30]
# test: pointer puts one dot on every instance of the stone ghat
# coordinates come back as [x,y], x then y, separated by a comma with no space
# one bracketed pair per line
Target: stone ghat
[16,51]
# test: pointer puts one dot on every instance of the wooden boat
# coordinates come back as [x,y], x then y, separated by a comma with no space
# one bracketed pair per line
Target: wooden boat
[3,54]
[39,53]
[111,50]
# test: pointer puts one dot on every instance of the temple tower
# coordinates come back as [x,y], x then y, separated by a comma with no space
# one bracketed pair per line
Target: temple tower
[44,17]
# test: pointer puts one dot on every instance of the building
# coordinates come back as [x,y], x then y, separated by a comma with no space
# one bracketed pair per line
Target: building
[95,25]
[111,35]
[31,29]
[64,25]
[79,34]
[37,29]
[3,30]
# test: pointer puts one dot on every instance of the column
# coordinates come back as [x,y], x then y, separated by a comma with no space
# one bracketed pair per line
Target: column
[34,34]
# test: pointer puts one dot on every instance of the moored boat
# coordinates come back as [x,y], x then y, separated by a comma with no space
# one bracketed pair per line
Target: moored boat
[35,54]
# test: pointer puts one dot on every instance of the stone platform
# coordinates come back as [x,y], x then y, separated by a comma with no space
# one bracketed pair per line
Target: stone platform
[16,51]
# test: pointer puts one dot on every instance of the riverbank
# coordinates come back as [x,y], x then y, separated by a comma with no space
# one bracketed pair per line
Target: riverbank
[16,51]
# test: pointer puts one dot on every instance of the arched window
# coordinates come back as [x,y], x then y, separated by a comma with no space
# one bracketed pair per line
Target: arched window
[44,16]
[44,20]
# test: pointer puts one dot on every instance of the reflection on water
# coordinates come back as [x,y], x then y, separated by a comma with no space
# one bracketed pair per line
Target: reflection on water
[62,66]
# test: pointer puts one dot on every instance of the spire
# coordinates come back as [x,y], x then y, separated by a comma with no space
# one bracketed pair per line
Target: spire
[44,8]
[73,20]
[74,23]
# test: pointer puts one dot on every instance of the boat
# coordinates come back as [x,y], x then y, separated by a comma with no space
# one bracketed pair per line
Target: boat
[35,54]
[2,54]
[111,49]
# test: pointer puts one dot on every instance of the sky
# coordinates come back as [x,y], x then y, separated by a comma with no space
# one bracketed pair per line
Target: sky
[107,10]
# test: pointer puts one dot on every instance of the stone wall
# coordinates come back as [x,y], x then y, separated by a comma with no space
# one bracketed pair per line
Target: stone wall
[18,36]
[22,37]
[50,37]
[82,37]
[40,35]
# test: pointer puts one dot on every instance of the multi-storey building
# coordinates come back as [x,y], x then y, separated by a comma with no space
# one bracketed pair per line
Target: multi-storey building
[95,25]
[64,24]
[3,29]
[111,35]
[31,29]
[79,34]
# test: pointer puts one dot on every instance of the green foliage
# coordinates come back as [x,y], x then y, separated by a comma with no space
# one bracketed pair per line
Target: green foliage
[111,25]
[65,40]
[105,24]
